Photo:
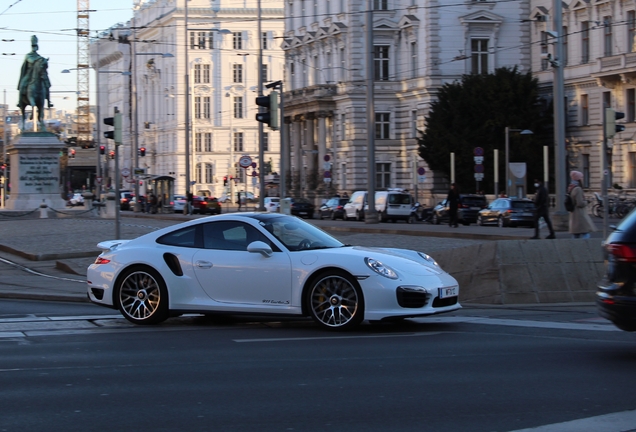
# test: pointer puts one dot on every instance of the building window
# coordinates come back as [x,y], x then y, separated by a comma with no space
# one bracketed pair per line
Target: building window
[414,124]
[414,71]
[211,40]
[206,107]
[380,4]
[585,41]
[584,110]
[607,36]
[381,62]
[564,38]
[383,175]
[544,50]
[209,172]
[197,143]
[343,126]
[238,107]
[238,141]
[264,40]
[264,72]
[206,74]
[632,169]
[208,142]
[193,45]
[198,174]
[237,40]
[197,107]
[382,125]
[202,39]
[586,170]
[631,31]
[631,105]
[265,141]
[343,176]
[607,99]
[197,74]
[479,56]
[237,73]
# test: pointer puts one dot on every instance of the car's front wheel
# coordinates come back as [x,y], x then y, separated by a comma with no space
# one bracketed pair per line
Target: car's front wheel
[335,301]
[141,296]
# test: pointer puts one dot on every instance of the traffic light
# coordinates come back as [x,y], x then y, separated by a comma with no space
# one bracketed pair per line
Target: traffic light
[269,117]
[112,154]
[71,153]
[224,180]
[116,123]
[611,128]
[142,151]
[102,149]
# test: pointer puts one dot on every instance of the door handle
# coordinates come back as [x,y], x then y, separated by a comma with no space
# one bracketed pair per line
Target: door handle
[203,264]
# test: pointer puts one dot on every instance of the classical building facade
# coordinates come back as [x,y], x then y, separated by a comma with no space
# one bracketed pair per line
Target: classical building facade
[218,55]
[417,47]
[599,66]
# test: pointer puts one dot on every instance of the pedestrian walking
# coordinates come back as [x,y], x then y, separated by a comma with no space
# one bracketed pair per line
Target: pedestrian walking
[152,199]
[542,209]
[581,224]
[239,200]
[452,200]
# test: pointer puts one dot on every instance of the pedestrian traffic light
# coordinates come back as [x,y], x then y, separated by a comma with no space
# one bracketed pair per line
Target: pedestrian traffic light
[270,116]
[112,154]
[142,151]
[71,153]
[611,128]
[224,180]
[116,123]
[102,149]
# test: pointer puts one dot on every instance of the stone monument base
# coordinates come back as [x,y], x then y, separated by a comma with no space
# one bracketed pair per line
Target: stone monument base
[35,171]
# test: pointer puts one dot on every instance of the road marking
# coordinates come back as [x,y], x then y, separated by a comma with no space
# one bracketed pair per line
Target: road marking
[616,422]
[520,323]
[336,337]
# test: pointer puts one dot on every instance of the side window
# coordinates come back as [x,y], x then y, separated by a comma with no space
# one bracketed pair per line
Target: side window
[186,237]
[230,235]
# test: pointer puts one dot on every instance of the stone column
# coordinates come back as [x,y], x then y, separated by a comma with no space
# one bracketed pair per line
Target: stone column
[311,173]
[286,155]
[322,149]
[297,169]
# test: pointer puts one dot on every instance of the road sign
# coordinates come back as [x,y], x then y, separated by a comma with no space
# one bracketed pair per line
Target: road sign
[479,169]
[245,161]
[254,165]
[254,174]
[327,174]
[125,172]
[327,179]
[479,160]
[479,176]
[478,151]
[327,158]
[421,171]
[99,180]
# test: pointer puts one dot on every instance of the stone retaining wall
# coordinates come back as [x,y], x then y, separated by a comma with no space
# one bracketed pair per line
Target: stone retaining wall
[526,271]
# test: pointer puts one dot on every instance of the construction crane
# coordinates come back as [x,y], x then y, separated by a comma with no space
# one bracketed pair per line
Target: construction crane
[84,130]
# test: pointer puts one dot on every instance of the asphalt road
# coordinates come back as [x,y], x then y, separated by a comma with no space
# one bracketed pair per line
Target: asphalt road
[479,369]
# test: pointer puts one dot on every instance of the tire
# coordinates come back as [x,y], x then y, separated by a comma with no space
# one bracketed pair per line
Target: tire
[320,215]
[358,216]
[333,215]
[383,217]
[500,222]
[597,210]
[411,219]
[334,300]
[141,296]
[435,219]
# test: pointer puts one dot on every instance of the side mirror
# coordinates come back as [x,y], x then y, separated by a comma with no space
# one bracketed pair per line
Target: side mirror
[260,247]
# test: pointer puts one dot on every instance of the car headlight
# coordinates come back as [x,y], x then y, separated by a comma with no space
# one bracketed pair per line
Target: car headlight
[428,258]
[380,268]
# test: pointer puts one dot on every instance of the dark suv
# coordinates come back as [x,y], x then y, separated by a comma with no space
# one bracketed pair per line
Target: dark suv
[467,210]
[616,295]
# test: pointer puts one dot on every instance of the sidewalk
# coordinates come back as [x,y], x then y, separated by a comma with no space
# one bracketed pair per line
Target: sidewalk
[64,247]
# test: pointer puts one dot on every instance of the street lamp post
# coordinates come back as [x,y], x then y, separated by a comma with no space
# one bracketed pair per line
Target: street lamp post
[507,168]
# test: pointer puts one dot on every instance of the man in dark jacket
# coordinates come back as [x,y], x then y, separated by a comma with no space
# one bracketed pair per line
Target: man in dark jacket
[542,209]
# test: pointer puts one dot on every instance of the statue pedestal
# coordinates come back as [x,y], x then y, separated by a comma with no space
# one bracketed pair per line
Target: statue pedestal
[35,171]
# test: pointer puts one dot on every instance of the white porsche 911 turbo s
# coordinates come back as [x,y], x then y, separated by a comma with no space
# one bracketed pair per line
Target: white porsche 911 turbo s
[265,264]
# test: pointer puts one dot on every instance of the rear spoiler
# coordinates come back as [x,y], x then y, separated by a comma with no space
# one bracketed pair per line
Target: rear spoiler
[110,245]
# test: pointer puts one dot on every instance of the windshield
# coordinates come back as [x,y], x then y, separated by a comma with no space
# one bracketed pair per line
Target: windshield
[297,234]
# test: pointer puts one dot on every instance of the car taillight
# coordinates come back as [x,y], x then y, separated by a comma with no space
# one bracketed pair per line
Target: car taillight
[463,206]
[622,252]
[171,203]
[339,207]
[101,260]
[508,211]
[124,200]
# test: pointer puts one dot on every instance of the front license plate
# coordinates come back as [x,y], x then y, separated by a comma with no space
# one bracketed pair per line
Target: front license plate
[448,292]
[302,212]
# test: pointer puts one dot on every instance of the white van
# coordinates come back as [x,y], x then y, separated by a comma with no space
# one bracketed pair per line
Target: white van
[354,209]
[393,205]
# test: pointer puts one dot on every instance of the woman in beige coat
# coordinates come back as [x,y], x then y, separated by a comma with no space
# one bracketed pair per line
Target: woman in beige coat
[581,224]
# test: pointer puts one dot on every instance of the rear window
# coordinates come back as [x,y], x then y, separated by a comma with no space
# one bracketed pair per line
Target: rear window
[399,199]
[525,205]
[474,201]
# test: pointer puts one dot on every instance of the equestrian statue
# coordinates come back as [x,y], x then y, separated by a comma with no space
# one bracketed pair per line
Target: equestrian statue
[34,86]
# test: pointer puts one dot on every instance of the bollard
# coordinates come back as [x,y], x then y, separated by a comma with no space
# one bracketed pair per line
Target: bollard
[110,206]
[44,211]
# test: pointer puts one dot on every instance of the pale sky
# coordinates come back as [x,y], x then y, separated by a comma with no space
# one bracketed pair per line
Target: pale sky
[54,23]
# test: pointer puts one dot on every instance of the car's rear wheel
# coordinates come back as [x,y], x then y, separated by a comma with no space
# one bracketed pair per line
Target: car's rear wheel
[141,296]
[335,301]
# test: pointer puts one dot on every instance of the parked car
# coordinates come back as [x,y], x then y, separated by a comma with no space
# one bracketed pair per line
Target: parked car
[297,268]
[354,208]
[333,208]
[125,200]
[271,204]
[393,205]
[616,295]
[508,212]
[467,210]
[302,207]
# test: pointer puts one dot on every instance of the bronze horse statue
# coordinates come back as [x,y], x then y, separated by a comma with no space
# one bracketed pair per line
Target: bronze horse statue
[34,90]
